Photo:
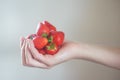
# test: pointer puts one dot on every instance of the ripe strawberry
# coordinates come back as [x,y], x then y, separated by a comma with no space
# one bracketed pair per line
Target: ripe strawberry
[42,29]
[40,42]
[42,51]
[56,37]
[50,26]
[32,36]
[47,39]
[51,49]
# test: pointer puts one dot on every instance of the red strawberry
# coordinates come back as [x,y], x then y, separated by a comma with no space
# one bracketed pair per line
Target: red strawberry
[56,37]
[50,26]
[40,42]
[47,40]
[42,29]
[42,51]
[51,49]
[32,36]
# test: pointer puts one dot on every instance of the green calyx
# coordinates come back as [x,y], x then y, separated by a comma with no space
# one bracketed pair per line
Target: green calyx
[44,35]
[51,46]
[50,39]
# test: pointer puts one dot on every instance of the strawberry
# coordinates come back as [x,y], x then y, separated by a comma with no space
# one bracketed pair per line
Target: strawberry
[32,36]
[56,37]
[50,26]
[42,29]
[47,40]
[40,42]
[42,51]
[51,48]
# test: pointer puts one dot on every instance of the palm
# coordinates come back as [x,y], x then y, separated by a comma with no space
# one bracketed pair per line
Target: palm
[64,54]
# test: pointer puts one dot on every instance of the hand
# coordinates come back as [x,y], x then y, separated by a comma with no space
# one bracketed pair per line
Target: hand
[106,56]
[31,57]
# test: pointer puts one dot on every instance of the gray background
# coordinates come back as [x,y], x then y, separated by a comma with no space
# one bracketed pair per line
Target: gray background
[90,21]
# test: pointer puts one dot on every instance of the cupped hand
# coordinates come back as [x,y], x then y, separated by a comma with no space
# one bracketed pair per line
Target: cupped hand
[32,58]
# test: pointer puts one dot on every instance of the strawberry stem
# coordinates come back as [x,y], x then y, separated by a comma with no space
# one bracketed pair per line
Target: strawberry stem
[51,46]
[50,39]
[44,35]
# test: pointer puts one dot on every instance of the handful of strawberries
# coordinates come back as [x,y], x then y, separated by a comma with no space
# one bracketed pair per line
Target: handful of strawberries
[47,39]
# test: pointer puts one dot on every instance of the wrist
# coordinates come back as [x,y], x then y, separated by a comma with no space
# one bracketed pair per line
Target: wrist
[81,50]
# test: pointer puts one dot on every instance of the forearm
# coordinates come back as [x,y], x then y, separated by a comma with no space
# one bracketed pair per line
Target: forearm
[106,56]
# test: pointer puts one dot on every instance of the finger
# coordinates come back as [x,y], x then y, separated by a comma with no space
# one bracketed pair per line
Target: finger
[27,56]
[30,61]
[23,52]
[21,41]
[36,54]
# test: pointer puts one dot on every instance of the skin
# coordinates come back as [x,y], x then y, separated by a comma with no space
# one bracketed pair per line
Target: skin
[107,56]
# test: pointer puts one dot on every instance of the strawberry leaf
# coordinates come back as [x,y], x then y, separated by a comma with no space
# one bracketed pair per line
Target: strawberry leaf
[44,35]
[50,39]
[51,46]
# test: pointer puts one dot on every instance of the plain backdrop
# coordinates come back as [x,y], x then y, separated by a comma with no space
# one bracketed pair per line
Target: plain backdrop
[90,21]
